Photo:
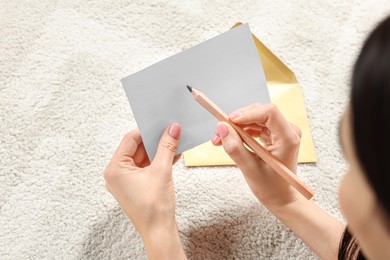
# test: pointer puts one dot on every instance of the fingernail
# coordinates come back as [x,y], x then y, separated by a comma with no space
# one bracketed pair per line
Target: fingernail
[174,131]
[215,139]
[222,130]
[234,115]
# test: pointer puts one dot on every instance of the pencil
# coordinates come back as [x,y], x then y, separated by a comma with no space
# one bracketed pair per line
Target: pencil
[257,148]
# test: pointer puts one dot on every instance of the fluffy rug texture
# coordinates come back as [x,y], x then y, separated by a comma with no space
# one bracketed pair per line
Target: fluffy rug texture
[63,112]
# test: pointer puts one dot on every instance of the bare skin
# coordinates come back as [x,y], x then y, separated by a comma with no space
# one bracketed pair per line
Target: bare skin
[358,203]
[318,229]
[145,189]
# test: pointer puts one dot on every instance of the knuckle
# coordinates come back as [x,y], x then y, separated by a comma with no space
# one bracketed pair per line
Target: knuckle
[109,175]
[112,172]
[295,140]
[258,104]
[232,148]
[128,136]
[255,107]
[125,160]
[272,108]
[168,144]
[298,132]
[296,136]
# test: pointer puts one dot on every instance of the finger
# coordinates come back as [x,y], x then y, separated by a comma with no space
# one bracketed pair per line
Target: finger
[268,115]
[140,156]
[297,130]
[239,117]
[168,145]
[253,132]
[265,137]
[129,144]
[235,148]
[216,140]
[253,126]
[144,163]
[176,158]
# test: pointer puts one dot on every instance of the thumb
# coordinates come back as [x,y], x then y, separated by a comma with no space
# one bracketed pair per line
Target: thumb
[234,147]
[168,145]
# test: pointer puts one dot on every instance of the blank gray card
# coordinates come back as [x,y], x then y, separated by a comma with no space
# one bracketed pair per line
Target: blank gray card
[227,68]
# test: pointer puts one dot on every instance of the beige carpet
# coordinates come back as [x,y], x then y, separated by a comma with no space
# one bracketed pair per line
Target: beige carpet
[63,112]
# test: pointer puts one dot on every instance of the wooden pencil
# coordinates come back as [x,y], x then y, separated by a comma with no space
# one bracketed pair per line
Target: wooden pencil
[257,148]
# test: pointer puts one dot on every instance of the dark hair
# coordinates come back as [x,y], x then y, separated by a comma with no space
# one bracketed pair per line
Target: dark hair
[349,248]
[370,100]
[370,103]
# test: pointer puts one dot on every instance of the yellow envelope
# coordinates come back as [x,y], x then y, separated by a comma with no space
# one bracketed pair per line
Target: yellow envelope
[286,93]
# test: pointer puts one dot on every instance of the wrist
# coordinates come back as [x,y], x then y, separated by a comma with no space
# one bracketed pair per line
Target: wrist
[163,242]
[279,200]
[278,205]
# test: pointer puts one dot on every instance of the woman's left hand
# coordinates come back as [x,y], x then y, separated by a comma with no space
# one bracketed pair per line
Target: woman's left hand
[145,190]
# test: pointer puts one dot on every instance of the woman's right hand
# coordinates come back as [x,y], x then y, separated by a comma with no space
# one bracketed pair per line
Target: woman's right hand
[278,136]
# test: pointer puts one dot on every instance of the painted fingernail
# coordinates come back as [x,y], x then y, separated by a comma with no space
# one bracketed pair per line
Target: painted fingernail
[222,130]
[234,115]
[175,130]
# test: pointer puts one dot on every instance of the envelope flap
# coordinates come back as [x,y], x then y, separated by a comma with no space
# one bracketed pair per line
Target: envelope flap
[276,72]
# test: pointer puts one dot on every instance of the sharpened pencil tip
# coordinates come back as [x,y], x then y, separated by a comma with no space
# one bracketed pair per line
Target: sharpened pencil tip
[189,88]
